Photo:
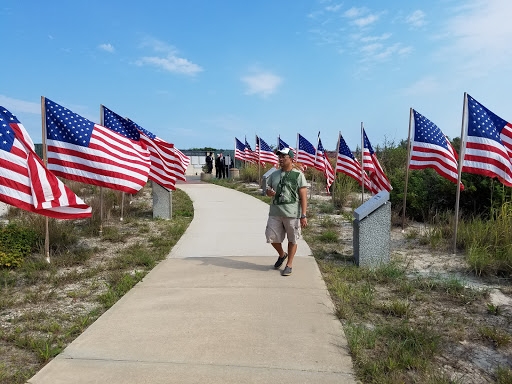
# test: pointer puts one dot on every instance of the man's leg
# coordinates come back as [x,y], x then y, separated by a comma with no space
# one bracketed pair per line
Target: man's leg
[292,249]
[279,248]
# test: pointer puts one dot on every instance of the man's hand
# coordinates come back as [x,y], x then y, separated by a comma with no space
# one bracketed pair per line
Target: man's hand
[270,192]
[304,222]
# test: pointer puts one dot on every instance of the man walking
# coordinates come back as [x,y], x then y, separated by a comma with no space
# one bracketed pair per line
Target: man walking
[287,215]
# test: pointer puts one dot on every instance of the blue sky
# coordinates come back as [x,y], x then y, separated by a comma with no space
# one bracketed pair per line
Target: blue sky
[200,72]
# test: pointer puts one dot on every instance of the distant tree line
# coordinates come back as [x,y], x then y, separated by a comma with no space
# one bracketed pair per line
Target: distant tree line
[429,194]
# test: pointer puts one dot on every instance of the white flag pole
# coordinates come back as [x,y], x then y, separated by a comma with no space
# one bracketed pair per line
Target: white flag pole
[461,161]
[362,164]
[101,188]
[122,206]
[258,144]
[336,168]
[407,169]
[295,158]
[45,162]
[316,153]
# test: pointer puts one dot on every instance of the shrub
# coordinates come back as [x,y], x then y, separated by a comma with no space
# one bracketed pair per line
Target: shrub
[16,243]
[249,173]
[343,186]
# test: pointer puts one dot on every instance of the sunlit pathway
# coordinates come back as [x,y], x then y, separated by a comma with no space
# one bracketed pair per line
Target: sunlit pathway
[215,311]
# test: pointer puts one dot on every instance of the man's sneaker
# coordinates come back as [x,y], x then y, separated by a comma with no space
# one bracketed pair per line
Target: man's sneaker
[280,261]
[287,271]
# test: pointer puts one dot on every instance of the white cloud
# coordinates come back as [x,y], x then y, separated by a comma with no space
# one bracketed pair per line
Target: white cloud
[426,85]
[262,83]
[19,106]
[405,50]
[355,12]
[416,19]
[333,8]
[326,37]
[107,47]
[369,39]
[378,52]
[365,21]
[480,35]
[371,48]
[157,45]
[170,61]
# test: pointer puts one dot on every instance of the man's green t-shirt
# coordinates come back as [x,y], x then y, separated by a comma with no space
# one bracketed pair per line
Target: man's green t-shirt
[286,201]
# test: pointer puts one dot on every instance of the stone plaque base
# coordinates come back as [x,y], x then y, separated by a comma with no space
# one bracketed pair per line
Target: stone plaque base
[206,176]
[234,173]
[162,202]
[372,237]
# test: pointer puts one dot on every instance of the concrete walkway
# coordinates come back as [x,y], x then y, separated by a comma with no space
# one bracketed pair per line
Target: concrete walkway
[215,311]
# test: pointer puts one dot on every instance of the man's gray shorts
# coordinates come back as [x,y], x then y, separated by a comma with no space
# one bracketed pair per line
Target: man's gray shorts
[278,227]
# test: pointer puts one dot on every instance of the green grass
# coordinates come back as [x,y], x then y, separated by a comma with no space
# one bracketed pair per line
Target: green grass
[328,237]
[391,339]
[78,273]
[118,287]
[503,375]
[239,186]
[397,308]
[328,222]
[498,337]
[487,241]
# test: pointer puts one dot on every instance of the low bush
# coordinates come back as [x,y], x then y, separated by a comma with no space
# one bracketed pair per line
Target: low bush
[16,243]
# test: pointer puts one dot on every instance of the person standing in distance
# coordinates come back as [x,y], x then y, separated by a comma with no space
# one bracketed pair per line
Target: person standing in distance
[287,187]
[217,166]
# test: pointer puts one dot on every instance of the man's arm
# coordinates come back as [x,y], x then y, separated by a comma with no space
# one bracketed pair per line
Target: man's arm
[270,187]
[303,193]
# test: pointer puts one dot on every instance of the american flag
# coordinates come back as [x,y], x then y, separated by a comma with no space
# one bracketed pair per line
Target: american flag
[83,151]
[488,147]
[319,155]
[322,163]
[431,149]
[371,164]
[257,150]
[266,153]
[282,145]
[166,165]
[184,161]
[239,150]
[166,159]
[306,152]
[250,155]
[346,163]
[25,182]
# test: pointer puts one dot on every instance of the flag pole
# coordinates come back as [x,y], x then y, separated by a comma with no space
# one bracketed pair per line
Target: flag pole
[101,188]
[336,168]
[297,148]
[461,161]
[258,143]
[316,152]
[45,162]
[122,206]
[362,164]
[407,169]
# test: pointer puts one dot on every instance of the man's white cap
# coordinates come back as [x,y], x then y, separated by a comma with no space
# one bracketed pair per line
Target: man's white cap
[286,151]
